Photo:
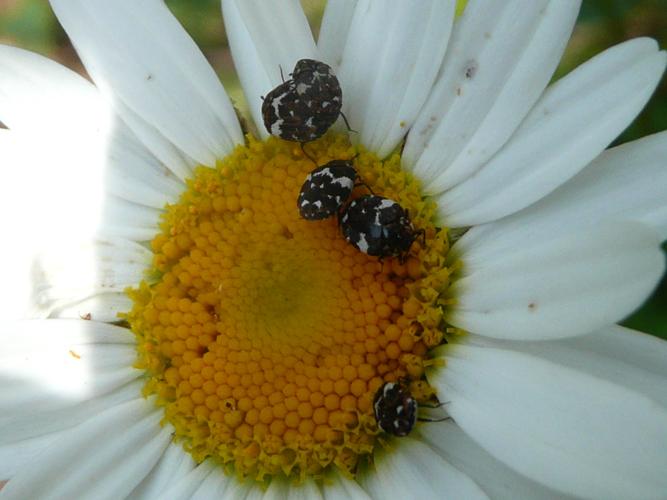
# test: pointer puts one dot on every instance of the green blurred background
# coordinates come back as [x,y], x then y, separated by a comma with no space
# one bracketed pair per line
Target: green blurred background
[30,24]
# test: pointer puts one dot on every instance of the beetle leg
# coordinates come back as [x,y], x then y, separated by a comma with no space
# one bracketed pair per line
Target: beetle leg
[421,419]
[303,149]
[349,129]
[360,184]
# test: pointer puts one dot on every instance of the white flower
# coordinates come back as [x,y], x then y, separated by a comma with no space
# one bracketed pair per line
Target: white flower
[549,398]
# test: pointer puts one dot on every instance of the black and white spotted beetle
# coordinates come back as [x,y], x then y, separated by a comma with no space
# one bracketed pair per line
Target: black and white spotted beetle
[303,108]
[395,409]
[326,189]
[378,226]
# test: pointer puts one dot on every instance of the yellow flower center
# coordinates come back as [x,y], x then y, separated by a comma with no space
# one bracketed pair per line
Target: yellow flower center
[265,336]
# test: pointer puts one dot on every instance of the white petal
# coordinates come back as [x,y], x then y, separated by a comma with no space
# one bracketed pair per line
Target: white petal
[213,486]
[493,476]
[178,162]
[69,179]
[141,56]
[205,481]
[134,174]
[68,273]
[334,31]
[26,434]
[264,38]
[281,489]
[174,465]
[558,425]
[93,463]
[54,364]
[103,307]
[67,144]
[391,59]
[15,456]
[60,134]
[563,286]
[27,422]
[338,487]
[576,118]
[71,197]
[626,182]
[602,355]
[80,152]
[501,57]
[628,346]
[37,94]
[127,220]
[306,491]
[246,490]
[188,485]
[24,335]
[413,470]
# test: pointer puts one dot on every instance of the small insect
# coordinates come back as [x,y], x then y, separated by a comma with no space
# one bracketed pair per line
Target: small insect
[395,409]
[304,107]
[378,226]
[326,189]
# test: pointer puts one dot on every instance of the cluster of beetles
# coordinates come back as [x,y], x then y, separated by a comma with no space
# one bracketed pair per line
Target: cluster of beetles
[302,109]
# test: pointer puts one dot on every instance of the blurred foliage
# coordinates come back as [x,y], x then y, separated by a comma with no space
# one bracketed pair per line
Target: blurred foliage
[602,23]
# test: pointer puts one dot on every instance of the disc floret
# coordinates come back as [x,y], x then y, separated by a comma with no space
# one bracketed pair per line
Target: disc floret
[265,336]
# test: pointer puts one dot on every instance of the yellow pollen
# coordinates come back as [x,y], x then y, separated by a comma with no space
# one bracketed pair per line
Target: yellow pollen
[264,337]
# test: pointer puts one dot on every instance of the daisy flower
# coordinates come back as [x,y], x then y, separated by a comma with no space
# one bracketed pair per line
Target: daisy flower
[173,329]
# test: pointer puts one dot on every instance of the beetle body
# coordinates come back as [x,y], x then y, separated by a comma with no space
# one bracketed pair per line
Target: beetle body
[304,107]
[395,409]
[378,226]
[326,190]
